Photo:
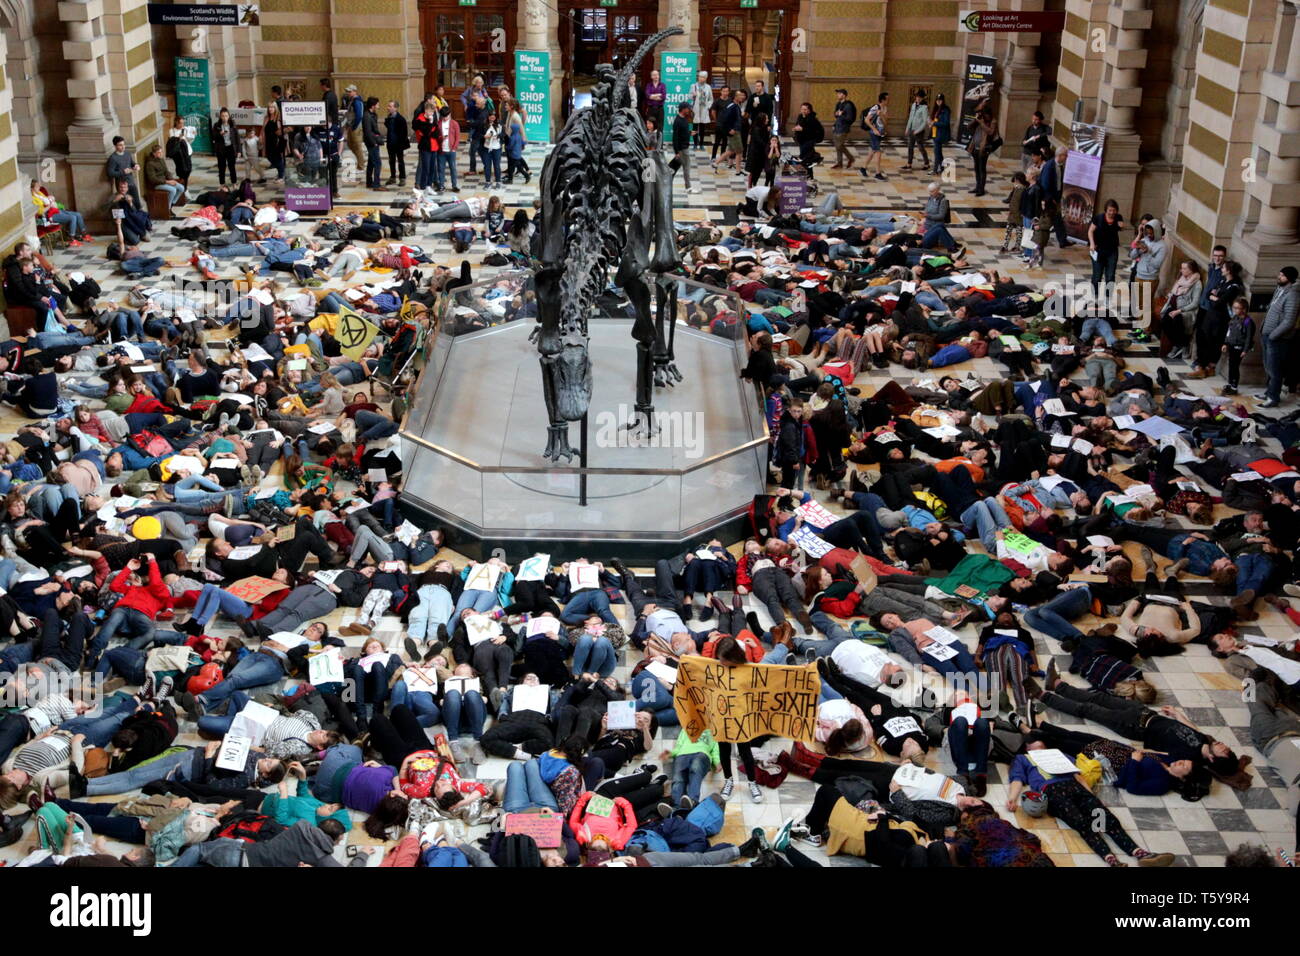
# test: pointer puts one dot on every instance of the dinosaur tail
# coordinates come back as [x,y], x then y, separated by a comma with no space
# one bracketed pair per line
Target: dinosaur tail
[619,92]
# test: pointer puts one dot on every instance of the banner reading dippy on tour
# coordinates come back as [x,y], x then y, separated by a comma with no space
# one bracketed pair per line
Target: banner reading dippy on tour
[677,70]
[533,83]
[194,98]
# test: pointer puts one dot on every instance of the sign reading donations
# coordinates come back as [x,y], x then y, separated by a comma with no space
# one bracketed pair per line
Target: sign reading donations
[533,86]
[746,701]
[302,193]
[193,99]
[677,69]
[302,113]
[794,194]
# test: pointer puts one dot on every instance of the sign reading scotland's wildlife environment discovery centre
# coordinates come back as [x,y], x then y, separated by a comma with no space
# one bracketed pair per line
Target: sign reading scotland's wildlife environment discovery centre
[205,14]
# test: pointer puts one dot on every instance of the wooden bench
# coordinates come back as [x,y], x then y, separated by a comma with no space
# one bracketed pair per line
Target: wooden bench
[21,319]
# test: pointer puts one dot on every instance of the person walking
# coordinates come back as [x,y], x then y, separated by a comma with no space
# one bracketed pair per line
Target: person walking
[917,130]
[874,124]
[355,109]
[846,114]
[1277,332]
[374,137]
[940,129]
[682,145]
[515,143]
[272,141]
[397,137]
[1036,139]
[716,111]
[1052,183]
[1103,243]
[808,132]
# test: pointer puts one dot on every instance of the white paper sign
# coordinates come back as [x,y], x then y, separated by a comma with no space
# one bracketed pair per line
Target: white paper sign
[325,667]
[527,697]
[1052,762]
[941,635]
[483,577]
[663,672]
[534,568]
[804,538]
[940,652]
[304,113]
[252,722]
[480,628]
[462,684]
[900,726]
[583,576]
[243,553]
[814,514]
[234,751]
[622,715]
[539,626]
[420,678]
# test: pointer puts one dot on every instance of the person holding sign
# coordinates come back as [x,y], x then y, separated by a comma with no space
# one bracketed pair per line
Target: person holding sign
[732,654]
[487,585]
[592,650]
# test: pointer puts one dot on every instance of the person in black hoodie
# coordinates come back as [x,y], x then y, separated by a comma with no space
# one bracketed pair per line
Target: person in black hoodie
[225,143]
[808,132]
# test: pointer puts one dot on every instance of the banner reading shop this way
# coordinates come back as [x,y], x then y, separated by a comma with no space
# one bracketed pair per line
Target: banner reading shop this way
[746,701]
[533,80]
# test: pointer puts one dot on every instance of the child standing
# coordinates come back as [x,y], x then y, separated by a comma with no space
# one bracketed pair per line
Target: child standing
[492,152]
[252,148]
[1015,230]
[1239,340]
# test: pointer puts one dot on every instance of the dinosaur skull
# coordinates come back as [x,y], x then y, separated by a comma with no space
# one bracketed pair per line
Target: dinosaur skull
[571,375]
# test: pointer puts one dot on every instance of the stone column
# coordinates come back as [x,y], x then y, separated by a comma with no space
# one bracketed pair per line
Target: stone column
[90,135]
[1018,94]
[541,26]
[1275,239]
[1121,94]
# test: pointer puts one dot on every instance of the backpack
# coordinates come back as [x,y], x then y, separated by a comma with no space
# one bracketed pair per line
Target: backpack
[311,152]
[762,517]
[250,827]
[150,443]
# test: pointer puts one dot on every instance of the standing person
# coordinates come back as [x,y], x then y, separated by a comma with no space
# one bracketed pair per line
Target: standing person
[225,143]
[330,137]
[874,124]
[731,120]
[273,140]
[1214,322]
[477,105]
[180,148]
[1052,182]
[808,132]
[655,94]
[426,158]
[331,101]
[447,131]
[373,136]
[1103,244]
[1213,277]
[940,129]
[1237,341]
[984,141]
[1012,239]
[355,109]
[1036,139]
[251,149]
[515,143]
[701,93]
[763,102]
[716,110]
[1277,332]
[731,653]
[760,134]
[492,152]
[682,145]
[917,130]
[397,136]
[846,114]
[122,167]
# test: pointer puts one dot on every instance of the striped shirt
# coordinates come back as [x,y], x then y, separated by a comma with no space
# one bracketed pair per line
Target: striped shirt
[39,755]
[50,712]
[287,735]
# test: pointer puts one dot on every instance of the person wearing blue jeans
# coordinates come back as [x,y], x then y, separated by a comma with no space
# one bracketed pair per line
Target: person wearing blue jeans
[1097,326]
[126,662]
[1275,356]
[938,237]
[76,225]
[585,603]
[99,730]
[122,622]
[463,713]
[136,777]
[1053,617]
[372,426]
[594,655]
[54,340]
[474,599]
[444,166]
[818,647]
[968,741]
[1253,571]
[525,789]
[986,517]
[651,695]
[253,670]
[420,702]
[213,599]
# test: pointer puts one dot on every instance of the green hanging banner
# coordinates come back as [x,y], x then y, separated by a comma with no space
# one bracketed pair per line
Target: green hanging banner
[194,99]
[533,83]
[677,71]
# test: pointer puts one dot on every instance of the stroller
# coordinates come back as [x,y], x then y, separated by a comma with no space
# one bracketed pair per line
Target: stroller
[794,167]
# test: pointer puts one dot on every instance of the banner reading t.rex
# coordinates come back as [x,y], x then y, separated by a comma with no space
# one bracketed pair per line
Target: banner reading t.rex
[743,702]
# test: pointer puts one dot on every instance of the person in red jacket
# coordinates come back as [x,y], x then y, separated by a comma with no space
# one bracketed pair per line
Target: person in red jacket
[136,611]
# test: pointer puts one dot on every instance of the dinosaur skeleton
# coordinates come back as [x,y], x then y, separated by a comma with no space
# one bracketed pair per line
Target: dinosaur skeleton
[606,196]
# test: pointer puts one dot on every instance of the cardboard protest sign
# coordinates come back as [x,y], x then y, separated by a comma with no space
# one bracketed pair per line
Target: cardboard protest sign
[253,589]
[544,826]
[746,701]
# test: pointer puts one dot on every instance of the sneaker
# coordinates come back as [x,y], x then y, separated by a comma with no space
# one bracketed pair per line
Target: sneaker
[880,176]
[727,787]
[432,833]
[755,845]
[147,688]
[755,793]
[687,803]
[812,839]
[1269,403]
[782,839]
[1147,858]
[164,691]
[665,809]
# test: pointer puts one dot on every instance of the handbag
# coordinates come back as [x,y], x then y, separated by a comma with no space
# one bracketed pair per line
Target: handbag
[993,143]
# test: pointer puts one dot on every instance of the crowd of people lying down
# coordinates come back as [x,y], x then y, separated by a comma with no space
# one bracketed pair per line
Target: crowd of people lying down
[196,493]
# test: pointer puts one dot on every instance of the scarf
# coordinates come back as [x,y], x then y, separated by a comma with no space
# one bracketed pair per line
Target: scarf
[1181,285]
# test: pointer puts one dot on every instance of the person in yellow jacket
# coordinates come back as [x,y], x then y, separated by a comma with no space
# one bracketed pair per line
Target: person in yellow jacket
[49,212]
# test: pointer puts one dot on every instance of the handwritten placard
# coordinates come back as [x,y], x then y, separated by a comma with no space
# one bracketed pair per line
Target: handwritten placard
[746,701]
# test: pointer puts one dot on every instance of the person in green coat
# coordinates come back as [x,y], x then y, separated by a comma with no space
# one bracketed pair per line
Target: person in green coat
[288,810]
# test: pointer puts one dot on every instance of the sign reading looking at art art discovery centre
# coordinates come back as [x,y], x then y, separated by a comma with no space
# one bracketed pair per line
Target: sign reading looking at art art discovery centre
[533,84]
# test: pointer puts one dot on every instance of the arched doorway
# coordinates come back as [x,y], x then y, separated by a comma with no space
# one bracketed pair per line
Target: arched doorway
[592,34]
[460,41]
[741,44]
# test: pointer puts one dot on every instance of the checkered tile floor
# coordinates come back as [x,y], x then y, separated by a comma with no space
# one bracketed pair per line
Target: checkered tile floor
[1199,834]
